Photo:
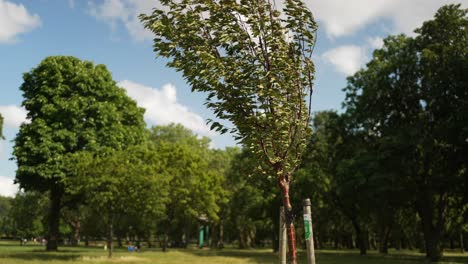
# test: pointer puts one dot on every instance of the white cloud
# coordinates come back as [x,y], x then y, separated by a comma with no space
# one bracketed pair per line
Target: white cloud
[15,19]
[346,59]
[7,188]
[126,12]
[341,18]
[162,107]
[375,42]
[13,115]
[338,17]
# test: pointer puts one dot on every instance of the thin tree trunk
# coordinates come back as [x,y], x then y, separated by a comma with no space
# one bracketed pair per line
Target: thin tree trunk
[76,234]
[221,235]
[383,239]
[164,243]
[284,186]
[361,237]
[110,233]
[54,219]
[462,246]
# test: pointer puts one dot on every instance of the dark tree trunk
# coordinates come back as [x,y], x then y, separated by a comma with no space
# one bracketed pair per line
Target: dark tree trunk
[361,238]
[110,233]
[433,224]
[462,246]
[164,242]
[76,234]
[221,235]
[148,239]
[291,236]
[54,219]
[383,239]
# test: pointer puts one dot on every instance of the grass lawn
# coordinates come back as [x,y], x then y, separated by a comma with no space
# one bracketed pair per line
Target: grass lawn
[15,254]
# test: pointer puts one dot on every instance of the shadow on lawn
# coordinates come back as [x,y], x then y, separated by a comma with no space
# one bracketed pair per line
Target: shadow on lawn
[41,255]
[263,256]
[326,257]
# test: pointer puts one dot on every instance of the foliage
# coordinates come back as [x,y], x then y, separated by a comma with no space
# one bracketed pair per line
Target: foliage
[73,106]
[411,99]
[253,207]
[26,217]
[5,206]
[253,63]
[131,183]
[195,184]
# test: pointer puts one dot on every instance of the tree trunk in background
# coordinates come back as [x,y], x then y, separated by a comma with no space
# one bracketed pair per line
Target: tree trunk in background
[291,234]
[220,244]
[164,242]
[110,234]
[148,240]
[54,219]
[462,246]
[383,239]
[361,238]
[76,234]
[432,224]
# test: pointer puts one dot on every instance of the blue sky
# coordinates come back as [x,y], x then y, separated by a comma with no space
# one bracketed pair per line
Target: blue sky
[108,32]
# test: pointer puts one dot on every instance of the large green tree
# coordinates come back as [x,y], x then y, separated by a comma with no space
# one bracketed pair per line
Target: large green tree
[254,63]
[131,182]
[72,106]
[195,188]
[412,97]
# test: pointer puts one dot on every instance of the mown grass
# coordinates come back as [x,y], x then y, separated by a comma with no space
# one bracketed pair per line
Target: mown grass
[30,254]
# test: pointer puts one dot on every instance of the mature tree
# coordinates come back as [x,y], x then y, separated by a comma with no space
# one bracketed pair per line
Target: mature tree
[253,207]
[6,228]
[413,97]
[126,182]
[27,215]
[72,106]
[195,189]
[219,165]
[254,63]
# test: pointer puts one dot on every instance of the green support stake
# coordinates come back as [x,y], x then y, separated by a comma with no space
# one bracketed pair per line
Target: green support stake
[309,234]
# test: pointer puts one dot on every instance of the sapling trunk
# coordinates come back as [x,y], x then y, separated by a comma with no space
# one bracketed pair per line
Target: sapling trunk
[291,234]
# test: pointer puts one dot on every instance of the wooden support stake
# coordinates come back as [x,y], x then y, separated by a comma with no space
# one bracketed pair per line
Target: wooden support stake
[282,237]
[309,234]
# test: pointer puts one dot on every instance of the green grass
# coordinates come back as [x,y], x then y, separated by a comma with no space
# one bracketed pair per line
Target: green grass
[14,254]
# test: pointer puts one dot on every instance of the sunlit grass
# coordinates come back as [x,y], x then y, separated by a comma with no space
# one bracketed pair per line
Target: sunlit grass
[12,253]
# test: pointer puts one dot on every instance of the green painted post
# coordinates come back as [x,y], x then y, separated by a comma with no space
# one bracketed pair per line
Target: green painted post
[201,237]
[309,234]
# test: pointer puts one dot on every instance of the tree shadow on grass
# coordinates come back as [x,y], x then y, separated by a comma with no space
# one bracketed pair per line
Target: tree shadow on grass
[326,257]
[42,256]
[255,256]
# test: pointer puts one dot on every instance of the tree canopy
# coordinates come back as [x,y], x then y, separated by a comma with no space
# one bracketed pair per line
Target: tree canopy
[72,106]
[411,100]
[254,62]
